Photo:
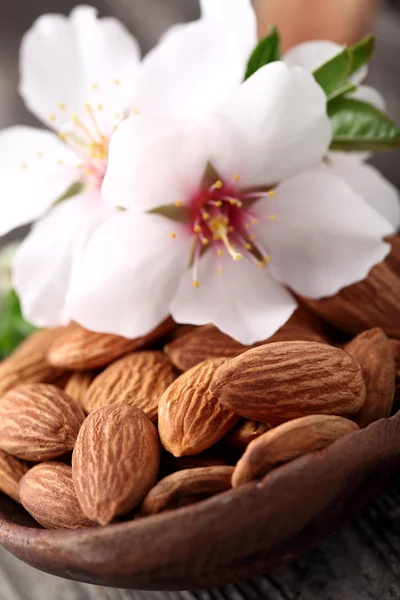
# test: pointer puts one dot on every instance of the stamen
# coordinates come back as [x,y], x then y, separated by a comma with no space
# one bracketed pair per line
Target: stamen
[178,203]
[220,271]
[116,82]
[196,283]
[60,162]
[39,154]
[220,226]
[137,112]
[271,193]
[172,235]
[93,119]
[272,217]
[260,264]
[24,166]
[236,177]
[220,252]
[267,259]
[95,87]
[62,106]
[52,117]
[197,229]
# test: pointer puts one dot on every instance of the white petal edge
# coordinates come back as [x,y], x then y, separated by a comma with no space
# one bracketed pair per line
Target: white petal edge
[129,274]
[69,61]
[273,127]
[36,168]
[45,262]
[244,302]
[325,236]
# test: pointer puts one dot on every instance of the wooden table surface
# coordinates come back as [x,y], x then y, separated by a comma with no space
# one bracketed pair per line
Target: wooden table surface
[361,562]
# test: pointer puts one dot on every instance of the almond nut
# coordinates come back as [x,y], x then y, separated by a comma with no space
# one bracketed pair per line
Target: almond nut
[81,350]
[394,257]
[286,380]
[244,433]
[11,472]
[28,363]
[190,418]
[373,302]
[186,487]
[138,379]
[48,494]
[373,351]
[289,441]
[78,384]
[115,461]
[38,422]
[396,349]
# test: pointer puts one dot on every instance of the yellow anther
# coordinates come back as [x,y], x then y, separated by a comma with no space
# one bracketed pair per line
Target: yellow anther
[178,203]
[218,184]
[117,116]
[88,172]
[197,229]
[267,259]
[271,193]
[39,154]
[60,162]
[100,107]
[172,235]
[206,216]
[80,166]
[220,271]
[24,166]
[248,246]
[52,117]
[116,82]
[216,237]
[62,106]
[137,111]
[205,241]
[232,201]
[218,203]
[196,283]
[75,117]
[255,221]
[95,87]
[260,264]
[272,218]
[236,177]
[246,225]
[253,237]
[63,136]
[220,252]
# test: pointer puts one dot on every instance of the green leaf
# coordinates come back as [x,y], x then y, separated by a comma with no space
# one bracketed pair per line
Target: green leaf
[361,52]
[333,73]
[359,126]
[13,328]
[266,51]
[346,88]
[172,211]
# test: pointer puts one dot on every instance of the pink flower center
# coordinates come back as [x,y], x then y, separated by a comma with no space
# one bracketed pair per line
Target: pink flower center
[223,219]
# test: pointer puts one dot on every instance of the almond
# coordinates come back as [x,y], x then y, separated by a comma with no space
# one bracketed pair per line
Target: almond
[138,379]
[28,364]
[48,494]
[171,464]
[11,472]
[81,350]
[209,342]
[282,381]
[394,257]
[78,384]
[396,349]
[190,418]
[245,432]
[186,487]
[38,422]
[288,441]
[115,461]
[373,302]
[372,350]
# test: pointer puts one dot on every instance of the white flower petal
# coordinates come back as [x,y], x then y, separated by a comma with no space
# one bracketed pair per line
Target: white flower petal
[153,163]
[197,65]
[325,236]
[69,61]
[129,274]
[243,301]
[311,55]
[46,260]
[370,95]
[367,182]
[36,168]
[274,126]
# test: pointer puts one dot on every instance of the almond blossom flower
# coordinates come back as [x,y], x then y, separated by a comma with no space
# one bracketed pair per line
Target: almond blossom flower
[221,217]
[363,178]
[81,76]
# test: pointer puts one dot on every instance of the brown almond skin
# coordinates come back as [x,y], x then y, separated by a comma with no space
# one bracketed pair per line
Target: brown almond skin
[115,461]
[209,342]
[394,257]
[82,350]
[244,433]
[38,422]
[373,351]
[288,441]
[78,384]
[396,350]
[48,494]
[11,471]
[373,302]
[28,363]
[190,418]
[171,464]
[287,380]
[138,379]
[186,487]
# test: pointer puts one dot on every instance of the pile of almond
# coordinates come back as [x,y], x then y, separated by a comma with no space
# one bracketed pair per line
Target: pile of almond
[95,427]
